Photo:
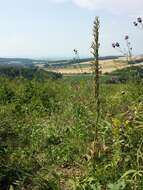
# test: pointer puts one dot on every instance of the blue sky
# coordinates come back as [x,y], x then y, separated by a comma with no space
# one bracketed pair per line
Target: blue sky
[53,28]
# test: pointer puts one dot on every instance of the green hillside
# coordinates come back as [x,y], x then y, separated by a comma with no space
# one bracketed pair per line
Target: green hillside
[47,133]
[27,72]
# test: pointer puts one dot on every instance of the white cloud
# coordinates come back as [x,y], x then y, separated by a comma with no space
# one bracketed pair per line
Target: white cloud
[92,4]
[121,6]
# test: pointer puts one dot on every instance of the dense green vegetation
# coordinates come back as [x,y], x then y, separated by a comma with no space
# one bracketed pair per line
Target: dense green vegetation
[122,76]
[28,73]
[47,133]
[116,77]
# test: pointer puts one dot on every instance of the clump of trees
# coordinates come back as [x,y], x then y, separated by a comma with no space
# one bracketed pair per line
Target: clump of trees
[28,73]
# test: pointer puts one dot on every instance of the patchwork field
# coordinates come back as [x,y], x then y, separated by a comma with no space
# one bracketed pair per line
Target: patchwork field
[107,66]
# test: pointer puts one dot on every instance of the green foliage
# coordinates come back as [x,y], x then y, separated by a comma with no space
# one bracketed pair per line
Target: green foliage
[47,133]
[28,73]
[132,73]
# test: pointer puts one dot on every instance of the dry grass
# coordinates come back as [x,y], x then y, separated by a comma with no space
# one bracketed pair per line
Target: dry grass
[107,66]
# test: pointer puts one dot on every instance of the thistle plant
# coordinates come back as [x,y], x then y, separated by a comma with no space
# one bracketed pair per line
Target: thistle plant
[138,23]
[76,54]
[77,59]
[127,52]
[96,69]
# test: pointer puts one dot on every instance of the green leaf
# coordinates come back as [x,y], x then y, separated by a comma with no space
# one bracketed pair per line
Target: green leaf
[117,186]
[128,173]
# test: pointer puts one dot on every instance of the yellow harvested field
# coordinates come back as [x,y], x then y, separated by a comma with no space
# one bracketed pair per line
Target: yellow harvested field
[106,67]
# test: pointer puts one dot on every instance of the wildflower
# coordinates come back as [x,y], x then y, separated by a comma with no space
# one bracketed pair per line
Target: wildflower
[139,19]
[117,44]
[126,37]
[113,45]
[135,23]
[75,51]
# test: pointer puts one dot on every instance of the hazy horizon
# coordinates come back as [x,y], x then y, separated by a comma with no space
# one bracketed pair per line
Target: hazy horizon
[55,57]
